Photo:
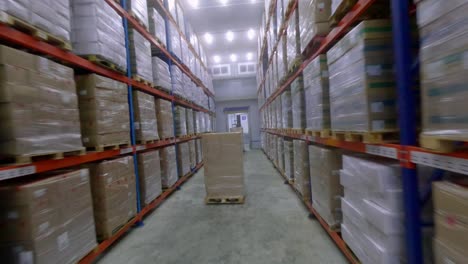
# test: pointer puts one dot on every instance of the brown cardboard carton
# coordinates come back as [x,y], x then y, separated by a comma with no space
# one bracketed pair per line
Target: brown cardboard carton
[193,154]
[224,166]
[445,253]
[183,159]
[146,127]
[301,169]
[168,166]
[164,118]
[149,173]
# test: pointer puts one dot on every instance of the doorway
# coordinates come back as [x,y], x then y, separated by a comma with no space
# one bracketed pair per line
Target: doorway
[240,119]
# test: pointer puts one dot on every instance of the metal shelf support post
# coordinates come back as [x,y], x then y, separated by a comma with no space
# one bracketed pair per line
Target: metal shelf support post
[407,123]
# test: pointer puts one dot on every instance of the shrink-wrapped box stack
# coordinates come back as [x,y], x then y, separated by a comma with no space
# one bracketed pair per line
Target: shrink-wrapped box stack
[298,103]
[301,169]
[146,126]
[325,164]
[140,56]
[175,40]
[164,117]
[39,106]
[313,20]
[177,81]
[193,153]
[362,84]
[97,30]
[103,111]
[157,25]
[293,41]
[280,149]
[224,165]
[288,159]
[189,120]
[199,150]
[161,74]
[168,166]
[48,220]
[278,113]
[444,73]
[183,159]
[180,119]
[286,109]
[149,176]
[317,100]
[139,10]
[114,194]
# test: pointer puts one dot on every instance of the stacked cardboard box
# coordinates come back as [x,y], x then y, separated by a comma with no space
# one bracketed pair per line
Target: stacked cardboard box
[301,169]
[325,164]
[164,118]
[193,154]
[286,109]
[157,25]
[199,150]
[48,220]
[280,149]
[146,127]
[317,100]
[161,74]
[313,20]
[224,164]
[298,103]
[139,9]
[175,40]
[288,158]
[140,56]
[39,106]
[168,166]
[293,41]
[177,81]
[451,230]
[97,30]
[362,84]
[180,119]
[103,111]
[183,159]
[114,194]
[149,173]
[189,119]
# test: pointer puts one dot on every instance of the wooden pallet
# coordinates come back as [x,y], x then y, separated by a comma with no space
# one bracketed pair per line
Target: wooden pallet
[225,200]
[34,31]
[441,143]
[325,133]
[30,158]
[342,9]
[167,138]
[295,65]
[294,131]
[162,89]
[115,230]
[142,80]
[101,61]
[100,148]
[366,137]
[146,141]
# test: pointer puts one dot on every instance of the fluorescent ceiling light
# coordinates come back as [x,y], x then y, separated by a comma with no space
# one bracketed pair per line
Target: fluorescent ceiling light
[249,56]
[208,38]
[224,2]
[230,36]
[251,33]
[216,59]
[233,57]
[194,3]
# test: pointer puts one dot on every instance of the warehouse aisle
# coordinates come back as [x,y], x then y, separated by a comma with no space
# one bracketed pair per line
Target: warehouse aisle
[271,227]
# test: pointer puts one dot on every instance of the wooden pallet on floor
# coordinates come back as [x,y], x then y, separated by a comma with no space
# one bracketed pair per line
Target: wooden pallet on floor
[225,200]
[366,137]
[142,80]
[103,147]
[34,31]
[30,158]
[101,61]
[442,143]
[325,133]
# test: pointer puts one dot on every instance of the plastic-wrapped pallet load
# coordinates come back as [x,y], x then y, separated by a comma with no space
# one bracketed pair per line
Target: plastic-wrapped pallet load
[196,124]
[157,25]
[193,154]
[298,103]
[274,150]
[39,106]
[146,126]
[180,117]
[44,222]
[325,164]
[280,149]
[139,9]
[168,166]
[224,165]
[301,169]
[286,108]
[444,73]
[114,194]
[164,117]
[199,151]
[313,20]
[451,232]
[103,111]
[189,119]
[183,159]
[177,81]
[317,100]
[362,84]
[293,41]
[149,174]
[97,30]
[140,59]
[279,113]
[175,41]
[288,159]
[161,74]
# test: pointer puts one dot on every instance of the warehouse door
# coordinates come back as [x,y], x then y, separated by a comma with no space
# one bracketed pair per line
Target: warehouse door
[240,120]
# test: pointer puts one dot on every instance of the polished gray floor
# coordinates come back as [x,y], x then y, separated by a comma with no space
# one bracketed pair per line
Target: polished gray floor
[271,227]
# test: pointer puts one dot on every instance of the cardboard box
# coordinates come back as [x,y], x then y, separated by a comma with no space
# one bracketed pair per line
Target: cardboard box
[146,126]
[444,253]
[168,166]
[224,164]
[193,154]
[288,159]
[183,159]
[199,150]
[301,169]
[164,118]
[149,173]
[180,116]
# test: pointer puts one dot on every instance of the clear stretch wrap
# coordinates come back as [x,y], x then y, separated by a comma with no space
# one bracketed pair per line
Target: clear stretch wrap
[199,150]
[208,122]
[168,166]
[274,149]
[362,82]
[301,169]
[317,100]
[313,20]
[293,41]
[273,114]
[325,165]
[149,174]
[161,74]
[288,158]
[286,108]
[224,164]
[298,103]
[193,153]
[280,149]
[444,72]
[183,159]
[47,220]
[97,29]
[103,111]
[140,59]
[114,194]
[139,9]
[157,25]
[180,17]
[280,66]
[177,81]
[180,117]
[175,45]
[279,113]
[146,126]
[186,91]
[164,117]
[39,105]
[189,119]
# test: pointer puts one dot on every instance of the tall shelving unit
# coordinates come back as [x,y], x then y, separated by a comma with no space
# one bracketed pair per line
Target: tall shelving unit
[19,39]
[407,152]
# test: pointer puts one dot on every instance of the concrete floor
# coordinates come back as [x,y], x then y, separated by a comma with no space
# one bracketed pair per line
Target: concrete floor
[271,227]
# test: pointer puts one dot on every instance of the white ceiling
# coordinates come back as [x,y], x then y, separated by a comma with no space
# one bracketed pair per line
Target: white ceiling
[216,18]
